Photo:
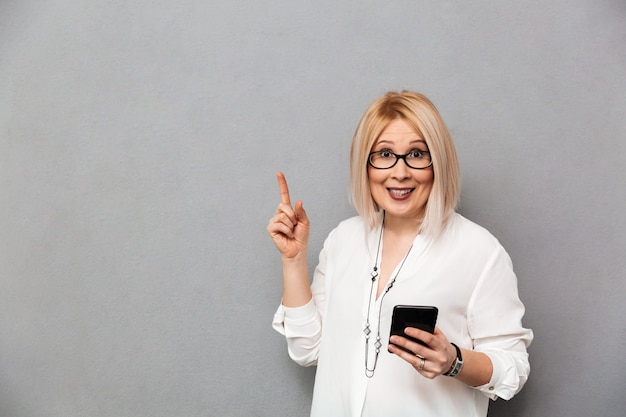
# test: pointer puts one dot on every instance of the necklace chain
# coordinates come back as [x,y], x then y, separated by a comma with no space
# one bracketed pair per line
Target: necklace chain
[369,372]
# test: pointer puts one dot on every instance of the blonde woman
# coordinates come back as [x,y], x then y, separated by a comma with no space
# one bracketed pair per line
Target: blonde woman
[407,246]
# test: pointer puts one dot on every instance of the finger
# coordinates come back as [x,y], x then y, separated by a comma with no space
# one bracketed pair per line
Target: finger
[411,347]
[415,359]
[301,216]
[284,189]
[284,222]
[422,363]
[419,362]
[421,335]
[280,230]
[286,214]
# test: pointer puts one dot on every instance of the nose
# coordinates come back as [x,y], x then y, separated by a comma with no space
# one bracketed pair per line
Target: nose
[400,171]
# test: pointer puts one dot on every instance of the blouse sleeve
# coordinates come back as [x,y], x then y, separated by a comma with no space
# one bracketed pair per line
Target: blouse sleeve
[302,326]
[495,324]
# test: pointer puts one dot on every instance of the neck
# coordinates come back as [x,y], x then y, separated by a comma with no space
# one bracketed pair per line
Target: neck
[402,227]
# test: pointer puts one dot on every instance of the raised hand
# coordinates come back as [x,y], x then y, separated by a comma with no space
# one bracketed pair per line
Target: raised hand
[289,227]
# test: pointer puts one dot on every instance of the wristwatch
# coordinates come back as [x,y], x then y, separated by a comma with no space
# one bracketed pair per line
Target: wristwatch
[457,365]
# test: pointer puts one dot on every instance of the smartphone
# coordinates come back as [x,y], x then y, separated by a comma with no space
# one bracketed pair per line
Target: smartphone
[420,317]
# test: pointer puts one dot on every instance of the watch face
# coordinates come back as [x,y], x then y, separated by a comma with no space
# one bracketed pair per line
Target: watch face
[457,367]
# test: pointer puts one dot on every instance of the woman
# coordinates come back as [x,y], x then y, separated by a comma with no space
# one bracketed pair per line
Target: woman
[407,246]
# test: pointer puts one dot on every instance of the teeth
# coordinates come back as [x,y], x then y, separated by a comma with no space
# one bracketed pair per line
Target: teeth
[400,193]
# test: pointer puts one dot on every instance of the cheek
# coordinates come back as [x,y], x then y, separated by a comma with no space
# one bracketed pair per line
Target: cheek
[374,181]
[375,176]
[427,177]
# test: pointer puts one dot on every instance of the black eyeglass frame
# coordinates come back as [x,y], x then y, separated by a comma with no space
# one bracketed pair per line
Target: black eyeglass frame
[398,157]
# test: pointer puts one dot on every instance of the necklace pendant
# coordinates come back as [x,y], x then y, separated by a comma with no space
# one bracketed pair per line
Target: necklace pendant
[378,345]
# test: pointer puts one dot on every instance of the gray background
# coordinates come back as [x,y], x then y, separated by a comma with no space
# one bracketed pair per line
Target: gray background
[139,142]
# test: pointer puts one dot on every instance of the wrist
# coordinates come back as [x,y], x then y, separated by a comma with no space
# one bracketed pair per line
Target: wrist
[457,363]
[294,261]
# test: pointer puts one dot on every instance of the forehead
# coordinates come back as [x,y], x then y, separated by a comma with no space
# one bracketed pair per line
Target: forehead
[399,131]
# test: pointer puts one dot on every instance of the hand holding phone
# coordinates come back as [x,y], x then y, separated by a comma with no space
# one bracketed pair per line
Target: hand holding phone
[419,317]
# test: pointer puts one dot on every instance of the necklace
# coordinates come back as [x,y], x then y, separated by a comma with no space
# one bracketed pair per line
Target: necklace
[369,372]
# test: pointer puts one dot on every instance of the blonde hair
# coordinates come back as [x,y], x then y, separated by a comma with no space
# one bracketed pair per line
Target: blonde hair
[422,115]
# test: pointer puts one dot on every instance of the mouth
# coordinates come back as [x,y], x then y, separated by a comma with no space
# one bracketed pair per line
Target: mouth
[400,193]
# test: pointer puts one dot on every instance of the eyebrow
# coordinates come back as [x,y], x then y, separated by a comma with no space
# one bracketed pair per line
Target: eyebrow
[386,142]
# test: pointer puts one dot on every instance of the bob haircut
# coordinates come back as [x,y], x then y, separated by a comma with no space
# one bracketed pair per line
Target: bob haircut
[422,115]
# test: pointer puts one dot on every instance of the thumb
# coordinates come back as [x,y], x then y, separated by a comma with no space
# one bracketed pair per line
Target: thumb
[301,213]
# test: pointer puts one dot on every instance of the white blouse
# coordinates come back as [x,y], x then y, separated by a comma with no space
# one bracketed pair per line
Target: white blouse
[466,273]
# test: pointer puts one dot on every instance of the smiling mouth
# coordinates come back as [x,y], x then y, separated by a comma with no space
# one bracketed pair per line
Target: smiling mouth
[400,192]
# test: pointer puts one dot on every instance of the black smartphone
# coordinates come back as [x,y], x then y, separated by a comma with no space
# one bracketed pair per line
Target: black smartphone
[420,317]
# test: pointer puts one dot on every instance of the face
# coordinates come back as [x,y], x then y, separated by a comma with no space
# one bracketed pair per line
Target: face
[401,191]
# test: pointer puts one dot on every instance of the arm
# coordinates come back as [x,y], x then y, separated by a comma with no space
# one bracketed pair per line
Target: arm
[495,324]
[302,326]
[297,318]
[289,229]
[496,362]
[439,357]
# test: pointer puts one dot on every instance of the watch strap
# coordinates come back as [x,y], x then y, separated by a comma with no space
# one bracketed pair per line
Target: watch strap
[457,365]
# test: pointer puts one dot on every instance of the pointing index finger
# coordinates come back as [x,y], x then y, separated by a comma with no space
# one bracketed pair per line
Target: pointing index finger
[284,189]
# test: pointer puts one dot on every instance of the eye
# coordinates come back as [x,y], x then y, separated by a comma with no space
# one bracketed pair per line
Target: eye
[386,153]
[417,154]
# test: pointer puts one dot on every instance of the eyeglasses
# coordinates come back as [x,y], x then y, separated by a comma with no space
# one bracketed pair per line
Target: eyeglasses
[385,159]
